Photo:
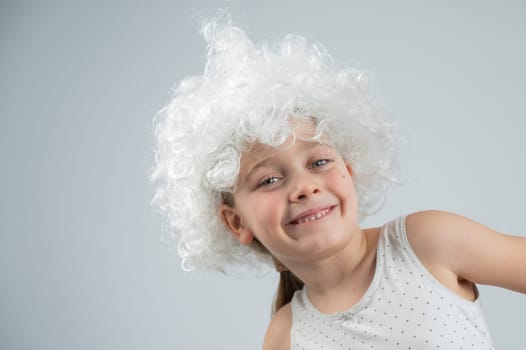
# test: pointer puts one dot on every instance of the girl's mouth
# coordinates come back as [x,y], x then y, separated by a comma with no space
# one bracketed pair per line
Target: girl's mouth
[312,217]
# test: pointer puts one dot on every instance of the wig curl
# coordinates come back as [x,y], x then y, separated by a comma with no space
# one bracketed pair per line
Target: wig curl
[249,94]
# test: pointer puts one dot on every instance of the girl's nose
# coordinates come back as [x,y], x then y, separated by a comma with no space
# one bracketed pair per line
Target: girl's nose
[303,188]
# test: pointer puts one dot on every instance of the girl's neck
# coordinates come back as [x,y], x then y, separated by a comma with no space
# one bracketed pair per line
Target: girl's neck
[339,281]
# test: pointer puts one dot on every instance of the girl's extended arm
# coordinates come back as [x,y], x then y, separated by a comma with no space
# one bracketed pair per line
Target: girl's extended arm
[454,247]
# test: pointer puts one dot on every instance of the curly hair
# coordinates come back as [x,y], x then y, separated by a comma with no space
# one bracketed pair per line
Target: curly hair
[249,94]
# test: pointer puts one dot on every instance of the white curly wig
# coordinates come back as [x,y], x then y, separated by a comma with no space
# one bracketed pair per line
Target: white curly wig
[249,94]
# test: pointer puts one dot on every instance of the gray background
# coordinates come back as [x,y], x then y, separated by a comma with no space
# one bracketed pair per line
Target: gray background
[81,264]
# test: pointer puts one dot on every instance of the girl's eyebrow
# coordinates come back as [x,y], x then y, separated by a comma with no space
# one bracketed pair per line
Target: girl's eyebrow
[263,163]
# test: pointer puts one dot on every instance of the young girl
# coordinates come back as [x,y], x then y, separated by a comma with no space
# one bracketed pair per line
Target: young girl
[273,156]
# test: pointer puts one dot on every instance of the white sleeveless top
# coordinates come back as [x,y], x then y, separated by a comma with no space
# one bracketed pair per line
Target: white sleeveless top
[405,307]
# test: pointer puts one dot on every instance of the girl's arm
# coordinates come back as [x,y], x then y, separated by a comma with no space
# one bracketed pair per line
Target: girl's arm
[457,249]
[278,332]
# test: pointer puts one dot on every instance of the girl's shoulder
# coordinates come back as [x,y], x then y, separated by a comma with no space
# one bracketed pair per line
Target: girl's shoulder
[278,331]
[431,236]
[431,229]
[459,251]
[437,237]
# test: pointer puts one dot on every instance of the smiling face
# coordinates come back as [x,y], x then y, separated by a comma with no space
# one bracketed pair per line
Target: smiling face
[298,200]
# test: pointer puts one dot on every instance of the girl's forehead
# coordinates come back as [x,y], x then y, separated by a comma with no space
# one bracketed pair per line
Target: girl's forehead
[259,150]
[303,137]
[303,130]
[261,153]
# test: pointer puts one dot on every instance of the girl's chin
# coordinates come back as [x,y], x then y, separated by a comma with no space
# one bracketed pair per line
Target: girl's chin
[321,244]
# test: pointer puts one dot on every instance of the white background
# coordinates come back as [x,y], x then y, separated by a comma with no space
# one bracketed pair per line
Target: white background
[81,264]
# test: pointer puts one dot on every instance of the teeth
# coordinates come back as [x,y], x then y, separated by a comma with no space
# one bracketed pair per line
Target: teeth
[314,217]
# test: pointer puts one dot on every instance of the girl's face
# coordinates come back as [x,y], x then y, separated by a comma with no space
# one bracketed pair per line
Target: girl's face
[298,200]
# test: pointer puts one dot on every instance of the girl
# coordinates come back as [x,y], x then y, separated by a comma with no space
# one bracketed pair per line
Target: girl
[273,156]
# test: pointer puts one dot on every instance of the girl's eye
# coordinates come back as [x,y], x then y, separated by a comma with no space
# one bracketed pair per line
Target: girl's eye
[269,181]
[320,162]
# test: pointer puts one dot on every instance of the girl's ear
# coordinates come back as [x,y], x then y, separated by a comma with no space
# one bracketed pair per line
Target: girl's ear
[234,224]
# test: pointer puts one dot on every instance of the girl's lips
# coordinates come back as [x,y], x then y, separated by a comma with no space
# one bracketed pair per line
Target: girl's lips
[311,215]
